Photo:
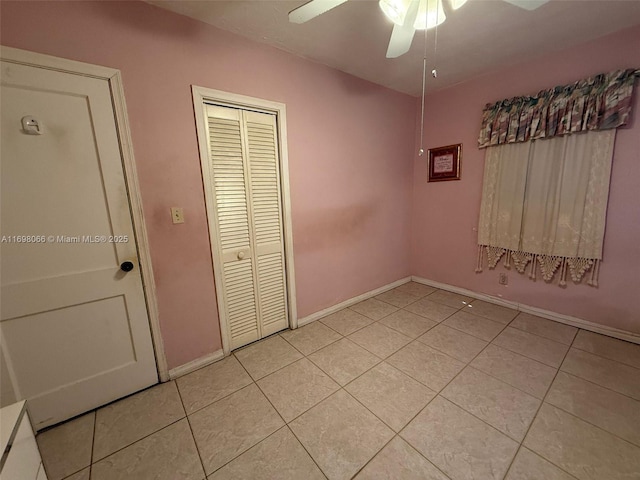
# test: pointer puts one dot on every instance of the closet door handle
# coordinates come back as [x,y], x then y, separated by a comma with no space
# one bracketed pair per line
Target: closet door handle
[240,255]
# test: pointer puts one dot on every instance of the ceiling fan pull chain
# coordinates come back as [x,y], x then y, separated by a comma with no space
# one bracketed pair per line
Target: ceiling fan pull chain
[434,72]
[424,84]
[424,79]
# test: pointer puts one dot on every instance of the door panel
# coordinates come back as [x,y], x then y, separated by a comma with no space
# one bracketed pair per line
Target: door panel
[74,330]
[229,173]
[264,173]
[243,155]
[89,330]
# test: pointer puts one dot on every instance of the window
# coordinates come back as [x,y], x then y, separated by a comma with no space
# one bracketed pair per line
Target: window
[546,180]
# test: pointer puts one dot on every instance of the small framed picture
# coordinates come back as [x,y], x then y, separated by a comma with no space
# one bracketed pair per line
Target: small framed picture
[444,163]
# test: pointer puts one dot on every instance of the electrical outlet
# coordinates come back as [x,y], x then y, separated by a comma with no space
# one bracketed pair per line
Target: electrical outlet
[177,215]
[503,279]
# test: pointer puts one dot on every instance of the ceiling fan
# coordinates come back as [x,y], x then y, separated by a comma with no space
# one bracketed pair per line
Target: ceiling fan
[407,16]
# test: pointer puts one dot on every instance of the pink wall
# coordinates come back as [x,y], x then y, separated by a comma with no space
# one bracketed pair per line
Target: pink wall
[445,214]
[350,150]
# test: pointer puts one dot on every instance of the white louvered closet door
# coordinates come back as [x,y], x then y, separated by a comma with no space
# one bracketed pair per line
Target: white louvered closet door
[266,216]
[244,173]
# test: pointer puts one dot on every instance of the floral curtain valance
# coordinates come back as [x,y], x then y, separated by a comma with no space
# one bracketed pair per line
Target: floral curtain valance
[596,103]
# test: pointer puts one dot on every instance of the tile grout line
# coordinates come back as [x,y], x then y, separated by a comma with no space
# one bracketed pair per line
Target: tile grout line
[542,400]
[433,347]
[405,306]
[515,353]
[375,454]
[578,329]
[396,434]
[281,417]
[541,336]
[437,393]
[504,326]
[598,385]
[593,425]
[438,322]
[301,352]
[536,416]
[187,414]
[93,441]
[133,443]
[305,448]
[305,411]
[377,355]
[411,313]
[510,349]
[250,447]
[409,304]
[193,437]
[255,382]
[362,405]
[449,356]
[343,335]
[329,375]
[504,381]
[286,425]
[92,463]
[380,360]
[95,411]
[342,387]
[582,419]
[468,364]
[607,358]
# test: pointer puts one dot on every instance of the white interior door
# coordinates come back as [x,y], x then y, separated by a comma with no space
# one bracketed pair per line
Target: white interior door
[74,327]
[243,172]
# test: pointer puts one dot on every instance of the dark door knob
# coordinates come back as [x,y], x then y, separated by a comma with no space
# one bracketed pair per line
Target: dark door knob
[126,266]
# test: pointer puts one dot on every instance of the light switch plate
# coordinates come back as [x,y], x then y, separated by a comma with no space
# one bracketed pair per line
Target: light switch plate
[177,215]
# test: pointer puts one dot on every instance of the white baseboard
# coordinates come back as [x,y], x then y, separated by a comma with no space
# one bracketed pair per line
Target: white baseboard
[195,364]
[352,301]
[557,317]
[219,354]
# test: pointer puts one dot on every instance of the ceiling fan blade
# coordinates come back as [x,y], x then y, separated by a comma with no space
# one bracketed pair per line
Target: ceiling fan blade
[312,9]
[527,4]
[402,35]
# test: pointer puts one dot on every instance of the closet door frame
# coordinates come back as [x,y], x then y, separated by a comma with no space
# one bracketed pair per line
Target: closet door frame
[206,96]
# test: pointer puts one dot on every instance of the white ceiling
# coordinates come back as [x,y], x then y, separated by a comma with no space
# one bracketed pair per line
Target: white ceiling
[482,36]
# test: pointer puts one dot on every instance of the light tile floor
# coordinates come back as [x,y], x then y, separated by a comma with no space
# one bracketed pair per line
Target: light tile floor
[417,383]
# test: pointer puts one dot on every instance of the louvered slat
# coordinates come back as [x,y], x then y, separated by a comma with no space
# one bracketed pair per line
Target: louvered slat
[272,295]
[229,182]
[240,299]
[265,189]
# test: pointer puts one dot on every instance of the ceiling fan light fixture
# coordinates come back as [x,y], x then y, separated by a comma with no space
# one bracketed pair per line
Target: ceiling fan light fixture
[430,14]
[456,4]
[394,10]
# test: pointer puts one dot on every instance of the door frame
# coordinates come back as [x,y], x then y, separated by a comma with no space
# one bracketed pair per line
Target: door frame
[114,79]
[201,97]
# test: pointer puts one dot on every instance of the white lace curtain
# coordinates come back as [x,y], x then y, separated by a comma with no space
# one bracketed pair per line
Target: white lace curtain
[544,205]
